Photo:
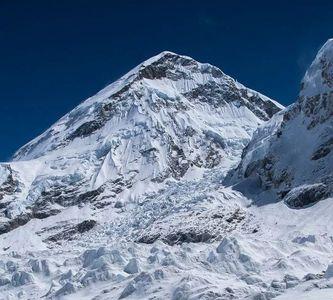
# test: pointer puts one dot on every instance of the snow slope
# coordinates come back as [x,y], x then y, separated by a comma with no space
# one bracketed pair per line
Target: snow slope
[125,197]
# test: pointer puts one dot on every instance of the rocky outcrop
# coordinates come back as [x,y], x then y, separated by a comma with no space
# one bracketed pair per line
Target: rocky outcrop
[9,184]
[205,227]
[306,195]
[70,232]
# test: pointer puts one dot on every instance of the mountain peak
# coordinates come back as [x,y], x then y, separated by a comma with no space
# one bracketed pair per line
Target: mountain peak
[160,55]
[316,96]
[319,76]
[164,55]
[168,118]
[168,65]
[165,85]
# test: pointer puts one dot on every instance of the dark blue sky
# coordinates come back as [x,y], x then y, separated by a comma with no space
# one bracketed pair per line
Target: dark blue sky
[54,54]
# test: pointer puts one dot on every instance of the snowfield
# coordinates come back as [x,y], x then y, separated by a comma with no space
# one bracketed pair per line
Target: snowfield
[175,182]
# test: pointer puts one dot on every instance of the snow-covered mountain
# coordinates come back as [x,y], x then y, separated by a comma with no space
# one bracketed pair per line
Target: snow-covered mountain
[169,118]
[292,153]
[167,185]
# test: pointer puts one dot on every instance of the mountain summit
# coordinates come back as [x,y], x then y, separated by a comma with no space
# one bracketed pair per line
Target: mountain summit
[168,118]
[166,81]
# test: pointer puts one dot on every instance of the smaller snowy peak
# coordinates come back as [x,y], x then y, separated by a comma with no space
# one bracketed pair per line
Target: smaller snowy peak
[316,96]
[319,77]
[292,152]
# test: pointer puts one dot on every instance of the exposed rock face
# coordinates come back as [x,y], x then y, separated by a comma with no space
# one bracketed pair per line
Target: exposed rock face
[303,196]
[168,118]
[323,150]
[70,232]
[8,184]
[294,148]
[202,227]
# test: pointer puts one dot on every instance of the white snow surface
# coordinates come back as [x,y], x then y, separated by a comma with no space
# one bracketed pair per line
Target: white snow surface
[318,78]
[129,197]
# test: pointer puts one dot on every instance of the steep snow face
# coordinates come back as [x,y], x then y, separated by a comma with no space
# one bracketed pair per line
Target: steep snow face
[292,153]
[319,77]
[165,90]
[169,118]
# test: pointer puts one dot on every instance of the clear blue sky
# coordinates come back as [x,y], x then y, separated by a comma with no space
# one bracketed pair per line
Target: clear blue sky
[54,54]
